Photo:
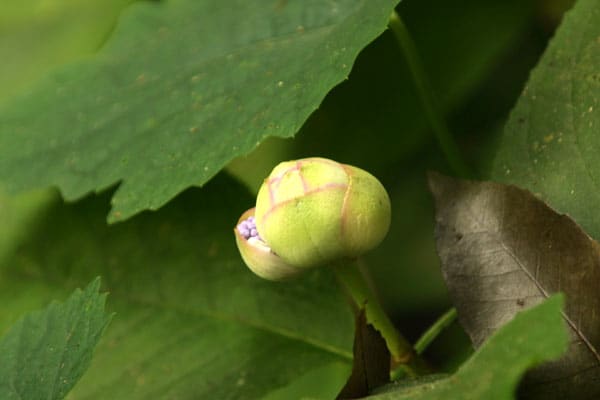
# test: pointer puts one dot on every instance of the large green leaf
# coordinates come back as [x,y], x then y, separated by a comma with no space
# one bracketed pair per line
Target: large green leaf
[45,353]
[551,143]
[192,321]
[181,88]
[494,371]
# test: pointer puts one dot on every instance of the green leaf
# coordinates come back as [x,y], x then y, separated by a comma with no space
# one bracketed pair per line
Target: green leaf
[494,371]
[181,89]
[46,352]
[71,29]
[192,320]
[551,143]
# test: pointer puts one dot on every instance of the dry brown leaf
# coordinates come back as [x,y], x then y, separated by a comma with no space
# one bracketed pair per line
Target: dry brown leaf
[502,251]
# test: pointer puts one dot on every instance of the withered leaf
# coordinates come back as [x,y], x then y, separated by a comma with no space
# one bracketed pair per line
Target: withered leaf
[371,366]
[503,250]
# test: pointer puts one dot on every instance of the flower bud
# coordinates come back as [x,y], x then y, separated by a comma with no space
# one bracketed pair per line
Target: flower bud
[256,254]
[313,211]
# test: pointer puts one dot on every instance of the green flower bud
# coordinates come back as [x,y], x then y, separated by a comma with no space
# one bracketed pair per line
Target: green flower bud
[313,211]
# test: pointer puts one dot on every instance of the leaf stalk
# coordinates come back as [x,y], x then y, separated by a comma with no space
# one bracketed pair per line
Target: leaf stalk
[427,97]
[434,330]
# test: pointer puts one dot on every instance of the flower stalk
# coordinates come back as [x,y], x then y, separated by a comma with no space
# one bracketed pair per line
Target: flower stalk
[403,354]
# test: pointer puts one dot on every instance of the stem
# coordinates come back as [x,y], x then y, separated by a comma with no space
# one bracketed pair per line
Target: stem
[427,337]
[400,349]
[434,330]
[427,97]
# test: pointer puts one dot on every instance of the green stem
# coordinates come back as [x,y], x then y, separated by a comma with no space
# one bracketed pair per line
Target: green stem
[427,337]
[427,97]
[434,330]
[400,349]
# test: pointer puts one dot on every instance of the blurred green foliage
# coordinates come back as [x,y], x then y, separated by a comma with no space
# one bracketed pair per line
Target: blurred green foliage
[38,35]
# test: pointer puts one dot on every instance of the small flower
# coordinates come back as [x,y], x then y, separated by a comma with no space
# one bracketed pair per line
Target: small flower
[256,254]
[313,211]
[247,228]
